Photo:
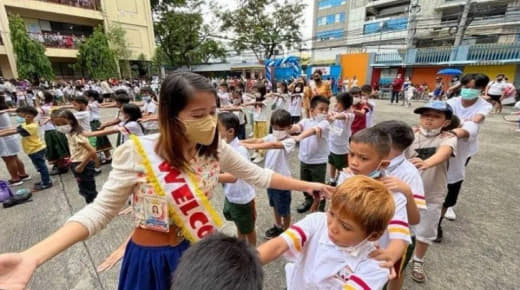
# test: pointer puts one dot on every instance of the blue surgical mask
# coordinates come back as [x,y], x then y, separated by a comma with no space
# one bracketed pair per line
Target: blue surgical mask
[376,173]
[469,94]
[19,120]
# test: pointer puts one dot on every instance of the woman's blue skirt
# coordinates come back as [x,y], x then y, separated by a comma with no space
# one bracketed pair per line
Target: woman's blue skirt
[149,267]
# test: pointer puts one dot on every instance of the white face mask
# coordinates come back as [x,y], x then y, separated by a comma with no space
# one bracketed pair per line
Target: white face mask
[65,129]
[320,117]
[280,134]
[298,89]
[430,132]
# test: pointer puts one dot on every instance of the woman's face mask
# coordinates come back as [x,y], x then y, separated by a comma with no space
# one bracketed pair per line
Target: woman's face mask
[201,131]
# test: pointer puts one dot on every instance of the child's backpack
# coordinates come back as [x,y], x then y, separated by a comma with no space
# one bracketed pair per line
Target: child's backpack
[5,191]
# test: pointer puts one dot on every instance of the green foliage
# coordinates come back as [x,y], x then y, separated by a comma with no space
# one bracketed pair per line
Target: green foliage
[95,58]
[183,38]
[117,41]
[31,61]
[263,26]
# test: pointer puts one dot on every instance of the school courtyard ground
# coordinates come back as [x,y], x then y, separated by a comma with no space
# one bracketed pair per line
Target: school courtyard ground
[480,249]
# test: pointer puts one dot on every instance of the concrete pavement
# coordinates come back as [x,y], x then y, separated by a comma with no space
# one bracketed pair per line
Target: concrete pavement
[479,251]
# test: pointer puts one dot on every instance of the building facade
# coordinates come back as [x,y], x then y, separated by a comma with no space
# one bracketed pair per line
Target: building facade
[379,25]
[61,25]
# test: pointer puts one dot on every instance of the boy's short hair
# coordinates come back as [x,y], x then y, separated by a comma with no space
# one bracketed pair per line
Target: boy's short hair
[367,89]
[481,80]
[122,98]
[355,90]
[281,118]
[27,110]
[380,140]
[81,99]
[319,99]
[219,262]
[401,133]
[366,201]
[345,99]
[229,121]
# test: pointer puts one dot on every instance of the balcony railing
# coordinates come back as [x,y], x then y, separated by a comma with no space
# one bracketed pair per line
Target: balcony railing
[57,40]
[389,25]
[86,4]
[464,54]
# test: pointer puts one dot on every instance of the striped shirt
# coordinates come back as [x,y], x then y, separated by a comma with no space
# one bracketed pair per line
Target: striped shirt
[315,262]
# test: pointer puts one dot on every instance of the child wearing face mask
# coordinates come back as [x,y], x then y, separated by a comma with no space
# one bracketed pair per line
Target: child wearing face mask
[239,111]
[360,110]
[341,121]
[331,250]
[368,155]
[430,152]
[279,145]
[82,154]
[239,204]
[130,114]
[314,147]
[295,103]
[262,111]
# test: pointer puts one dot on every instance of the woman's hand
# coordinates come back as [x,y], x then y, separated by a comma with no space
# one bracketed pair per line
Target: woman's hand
[112,260]
[320,190]
[16,270]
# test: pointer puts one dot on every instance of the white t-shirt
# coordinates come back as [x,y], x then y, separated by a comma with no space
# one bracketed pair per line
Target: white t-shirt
[131,127]
[403,169]
[497,88]
[83,118]
[241,116]
[239,192]
[370,113]
[340,133]
[280,102]
[314,150]
[457,164]
[224,99]
[481,106]
[46,114]
[93,107]
[315,262]
[263,112]
[149,107]
[278,159]
[295,105]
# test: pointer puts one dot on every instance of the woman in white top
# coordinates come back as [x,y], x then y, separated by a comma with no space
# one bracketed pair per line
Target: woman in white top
[149,110]
[171,175]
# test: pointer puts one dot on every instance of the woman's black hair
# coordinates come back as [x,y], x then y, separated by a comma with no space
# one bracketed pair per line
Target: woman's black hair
[69,116]
[3,104]
[345,99]
[176,90]
[134,114]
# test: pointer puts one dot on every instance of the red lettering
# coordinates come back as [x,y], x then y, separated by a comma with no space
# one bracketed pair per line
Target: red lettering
[189,206]
[173,173]
[165,166]
[182,194]
[198,217]
[204,231]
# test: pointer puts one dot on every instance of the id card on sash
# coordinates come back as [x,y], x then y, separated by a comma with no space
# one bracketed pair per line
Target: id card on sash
[156,213]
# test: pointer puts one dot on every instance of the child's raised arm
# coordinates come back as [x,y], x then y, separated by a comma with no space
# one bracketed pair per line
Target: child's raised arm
[397,185]
[444,152]
[103,132]
[271,250]
[251,141]
[8,131]
[307,133]
[264,145]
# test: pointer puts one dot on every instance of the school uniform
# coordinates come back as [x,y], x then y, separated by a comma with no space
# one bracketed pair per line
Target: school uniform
[85,179]
[340,132]
[34,147]
[315,262]
[101,142]
[57,146]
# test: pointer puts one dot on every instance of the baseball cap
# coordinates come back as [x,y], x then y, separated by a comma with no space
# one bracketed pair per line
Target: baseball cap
[437,106]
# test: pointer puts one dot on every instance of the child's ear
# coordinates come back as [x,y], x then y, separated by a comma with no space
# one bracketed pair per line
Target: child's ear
[446,123]
[374,237]
[385,163]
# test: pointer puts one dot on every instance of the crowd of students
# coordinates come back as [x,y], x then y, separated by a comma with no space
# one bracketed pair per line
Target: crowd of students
[393,182]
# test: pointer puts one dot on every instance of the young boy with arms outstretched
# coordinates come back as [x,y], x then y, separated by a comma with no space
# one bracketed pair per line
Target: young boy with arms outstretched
[279,145]
[239,204]
[430,153]
[369,150]
[331,250]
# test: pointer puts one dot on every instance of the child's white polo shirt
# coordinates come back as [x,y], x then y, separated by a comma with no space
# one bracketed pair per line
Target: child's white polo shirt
[317,263]
[278,159]
[239,192]
[403,169]
[314,150]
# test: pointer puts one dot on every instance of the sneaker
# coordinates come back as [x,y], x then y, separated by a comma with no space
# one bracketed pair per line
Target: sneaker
[25,177]
[15,182]
[54,171]
[38,187]
[258,159]
[418,274]
[450,214]
[438,239]
[273,232]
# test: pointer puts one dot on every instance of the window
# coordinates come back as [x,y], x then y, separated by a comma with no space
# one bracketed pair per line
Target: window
[330,34]
[394,24]
[324,4]
[331,19]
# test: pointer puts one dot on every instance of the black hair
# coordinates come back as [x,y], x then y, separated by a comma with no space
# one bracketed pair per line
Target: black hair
[281,118]
[318,71]
[219,262]
[94,94]
[122,98]
[48,97]
[69,116]
[454,123]
[380,140]
[28,110]
[150,92]
[319,99]
[3,103]
[481,80]
[345,99]
[229,121]
[81,99]
[284,87]
[355,90]
[401,133]
[260,87]
[366,89]
[132,111]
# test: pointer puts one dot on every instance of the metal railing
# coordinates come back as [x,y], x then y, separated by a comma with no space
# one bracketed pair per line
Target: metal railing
[433,55]
[58,40]
[494,52]
[86,4]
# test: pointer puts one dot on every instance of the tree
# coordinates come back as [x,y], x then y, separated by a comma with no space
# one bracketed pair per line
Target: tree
[184,39]
[95,58]
[31,61]
[116,36]
[263,26]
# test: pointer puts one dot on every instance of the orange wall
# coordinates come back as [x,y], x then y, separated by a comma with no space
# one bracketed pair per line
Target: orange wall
[355,64]
[428,75]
